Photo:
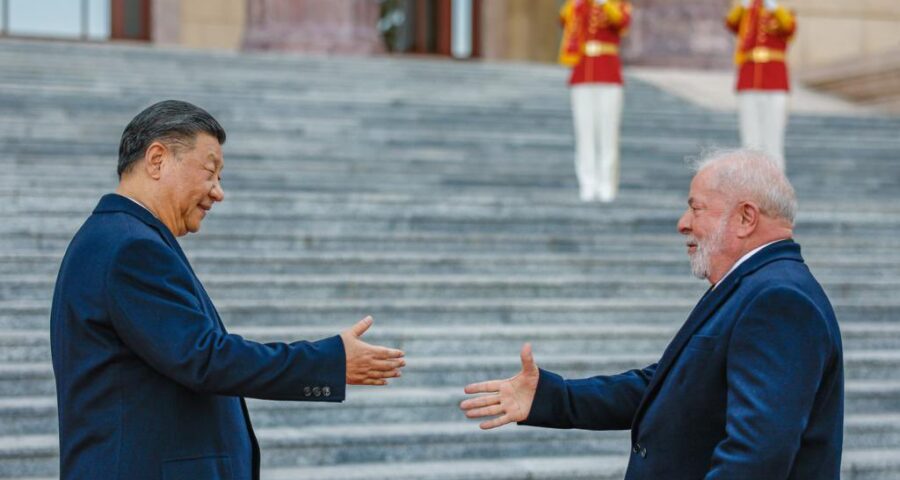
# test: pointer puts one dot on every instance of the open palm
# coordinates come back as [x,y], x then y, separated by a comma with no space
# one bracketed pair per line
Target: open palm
[507,400]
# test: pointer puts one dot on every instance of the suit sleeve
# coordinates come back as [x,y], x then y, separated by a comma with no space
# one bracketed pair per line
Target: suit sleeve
[158,315]
[776,356]
[597,403]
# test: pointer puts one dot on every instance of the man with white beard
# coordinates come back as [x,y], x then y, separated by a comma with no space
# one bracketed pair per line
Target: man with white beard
[752,385]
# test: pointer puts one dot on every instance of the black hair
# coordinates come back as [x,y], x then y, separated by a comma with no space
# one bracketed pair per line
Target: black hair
[173,122]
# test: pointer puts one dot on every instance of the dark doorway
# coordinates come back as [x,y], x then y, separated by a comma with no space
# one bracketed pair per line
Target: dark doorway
[130,20]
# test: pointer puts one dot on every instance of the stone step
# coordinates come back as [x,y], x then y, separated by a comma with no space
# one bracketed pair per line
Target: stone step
[432,441]
[533,187]
[81,200]
[209,263]
[429,185]
[815,246]
[365,405]
[20,137]
[27,203]
[439,340]
[856,465]
[340,314]
[435,222]
[382,85]
[437,154]
[36,379]
[593,467]
[449,287]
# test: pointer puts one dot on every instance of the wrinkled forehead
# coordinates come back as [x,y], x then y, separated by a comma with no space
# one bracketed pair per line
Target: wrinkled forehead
[703,187]
[702,181]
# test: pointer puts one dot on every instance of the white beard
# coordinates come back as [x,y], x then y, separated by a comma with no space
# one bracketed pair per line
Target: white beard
[702,257]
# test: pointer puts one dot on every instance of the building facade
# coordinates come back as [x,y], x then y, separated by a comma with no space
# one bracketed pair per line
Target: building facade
[670,33]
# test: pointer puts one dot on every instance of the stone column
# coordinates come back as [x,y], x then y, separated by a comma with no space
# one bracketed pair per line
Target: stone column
[166,22]
[679,33]
[524,30]
[321,26]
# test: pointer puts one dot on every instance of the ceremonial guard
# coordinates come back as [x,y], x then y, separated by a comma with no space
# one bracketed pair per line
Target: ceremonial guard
[763,29]
[590,45]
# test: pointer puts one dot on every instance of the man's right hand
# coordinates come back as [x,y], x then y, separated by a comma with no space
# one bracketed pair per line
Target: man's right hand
[369,364]
[507,400]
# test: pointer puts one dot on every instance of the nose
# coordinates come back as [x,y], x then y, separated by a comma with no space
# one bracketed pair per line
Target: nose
[684,225]
[217,193]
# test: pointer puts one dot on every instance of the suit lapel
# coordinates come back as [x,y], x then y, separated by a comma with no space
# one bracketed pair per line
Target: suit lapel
[117,203]
[704,309]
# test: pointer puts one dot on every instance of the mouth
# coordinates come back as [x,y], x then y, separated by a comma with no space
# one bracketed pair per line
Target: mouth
[691,247]
[205,209]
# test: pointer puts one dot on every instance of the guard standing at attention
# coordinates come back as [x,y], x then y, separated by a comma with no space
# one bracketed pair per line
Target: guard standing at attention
[763,28]
[592,30]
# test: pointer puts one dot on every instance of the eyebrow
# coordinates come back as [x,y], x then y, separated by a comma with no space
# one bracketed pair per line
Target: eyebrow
[216,160]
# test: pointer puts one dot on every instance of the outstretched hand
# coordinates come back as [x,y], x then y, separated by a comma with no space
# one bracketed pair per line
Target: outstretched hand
[507,400]
[369,364]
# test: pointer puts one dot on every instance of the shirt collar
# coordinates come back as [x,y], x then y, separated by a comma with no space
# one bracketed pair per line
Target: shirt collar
[141,204]
[742,260]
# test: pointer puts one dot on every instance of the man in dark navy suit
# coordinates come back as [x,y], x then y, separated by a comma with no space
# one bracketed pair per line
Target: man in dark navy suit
[150,385]
[751,387]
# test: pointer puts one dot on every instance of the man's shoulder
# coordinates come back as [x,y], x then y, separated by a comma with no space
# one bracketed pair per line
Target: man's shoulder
[119,227]
[788,273]
[106,233]
[785,281]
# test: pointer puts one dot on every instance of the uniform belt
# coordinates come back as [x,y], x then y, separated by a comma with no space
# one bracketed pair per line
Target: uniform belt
[762,55]
[594,48]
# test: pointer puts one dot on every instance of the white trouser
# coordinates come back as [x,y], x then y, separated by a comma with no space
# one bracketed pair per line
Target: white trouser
[763,117]
[597,111]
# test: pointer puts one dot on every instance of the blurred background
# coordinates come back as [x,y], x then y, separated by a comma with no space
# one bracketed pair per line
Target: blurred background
[847,48]
[413,160]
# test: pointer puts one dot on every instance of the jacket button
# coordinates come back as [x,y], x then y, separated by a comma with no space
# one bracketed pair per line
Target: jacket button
[643,452]
[326,391]
[317,391]
[636,448]
[307,391]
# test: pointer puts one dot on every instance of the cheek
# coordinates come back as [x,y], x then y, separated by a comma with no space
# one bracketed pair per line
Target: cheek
[701,228]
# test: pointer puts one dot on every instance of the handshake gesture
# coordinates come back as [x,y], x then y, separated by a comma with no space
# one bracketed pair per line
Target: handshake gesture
[506,400]
[369,364]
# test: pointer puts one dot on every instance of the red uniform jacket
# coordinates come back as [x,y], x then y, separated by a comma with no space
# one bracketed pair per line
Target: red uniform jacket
[762,40]
[591,39]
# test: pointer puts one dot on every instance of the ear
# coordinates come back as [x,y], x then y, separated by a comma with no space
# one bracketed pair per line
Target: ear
[155,155]
[749,218]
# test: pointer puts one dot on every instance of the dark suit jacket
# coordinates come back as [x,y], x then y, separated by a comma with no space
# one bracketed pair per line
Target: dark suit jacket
[752,386]
[149,383]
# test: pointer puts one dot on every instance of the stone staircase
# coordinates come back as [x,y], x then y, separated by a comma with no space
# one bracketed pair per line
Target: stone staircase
[440,198]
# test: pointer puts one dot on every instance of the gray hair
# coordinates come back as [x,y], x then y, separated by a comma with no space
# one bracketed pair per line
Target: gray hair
[745,174]
[173,122]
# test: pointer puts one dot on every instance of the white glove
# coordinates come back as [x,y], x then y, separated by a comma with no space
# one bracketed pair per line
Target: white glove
[770,4]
